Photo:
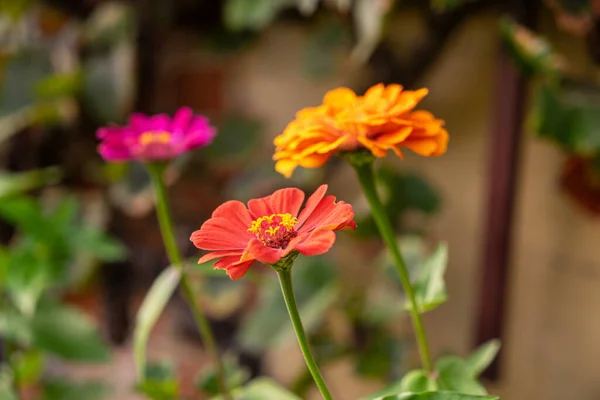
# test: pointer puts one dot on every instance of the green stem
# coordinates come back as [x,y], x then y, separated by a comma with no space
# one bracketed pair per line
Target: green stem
[285,280]
[166,229]
[367,181]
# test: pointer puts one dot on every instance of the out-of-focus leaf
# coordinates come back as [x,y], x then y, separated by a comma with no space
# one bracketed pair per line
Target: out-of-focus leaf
[441,6]
[455,375]
[99,244]
[237,138]
[14,9]
[379,355]
[532,53]
[482,357]
[15,183]
[56,86]
[28,366]
[416,381]
[22,72]
[6,392]
[153,305]
[64,390]
[110,23]
[319,58]
[109,83]
[569,115]
[235,376]
[68,333]
[160,382]
[262,389]
[430,288]
[15,327]
[436,396]
[268,325]
[368,23]
[253,14]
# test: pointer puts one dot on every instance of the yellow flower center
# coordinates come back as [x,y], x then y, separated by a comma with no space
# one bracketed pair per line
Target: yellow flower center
[275,230]
[155,137]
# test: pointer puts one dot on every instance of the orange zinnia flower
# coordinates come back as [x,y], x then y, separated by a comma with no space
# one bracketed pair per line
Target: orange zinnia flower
[271,228]
[381,120]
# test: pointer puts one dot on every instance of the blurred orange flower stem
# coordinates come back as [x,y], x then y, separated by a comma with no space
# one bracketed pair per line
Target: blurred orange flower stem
[364,170]
[285,280]
[166,228]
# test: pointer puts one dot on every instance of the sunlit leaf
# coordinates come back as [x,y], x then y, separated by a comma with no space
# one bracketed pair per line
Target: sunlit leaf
[454,374]
[153,305]
[15,327]
[443,395]
[28,366]
[160,382]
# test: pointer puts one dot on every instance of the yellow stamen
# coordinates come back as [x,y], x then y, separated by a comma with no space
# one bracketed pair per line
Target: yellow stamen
[287,221]
[147,138]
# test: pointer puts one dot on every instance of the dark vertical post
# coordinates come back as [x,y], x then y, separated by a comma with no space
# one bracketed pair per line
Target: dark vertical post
[509,106]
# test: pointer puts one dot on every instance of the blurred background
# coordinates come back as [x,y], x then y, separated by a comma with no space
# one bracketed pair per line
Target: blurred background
[516,198]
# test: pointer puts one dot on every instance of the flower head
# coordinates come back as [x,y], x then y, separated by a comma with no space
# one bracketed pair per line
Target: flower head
[156,137]
[271,228]
[381,120]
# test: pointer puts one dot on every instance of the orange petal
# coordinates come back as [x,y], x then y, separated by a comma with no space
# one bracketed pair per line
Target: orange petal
[234,211]
[314,160]
[233,267]
[262,253]
[286,167]
[260,207]
[312,202]
[220,234]
[219,254]
[339,98]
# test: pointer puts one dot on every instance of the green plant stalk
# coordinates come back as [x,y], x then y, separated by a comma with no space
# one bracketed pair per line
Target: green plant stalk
[367,182]
[285,280]
[166,229]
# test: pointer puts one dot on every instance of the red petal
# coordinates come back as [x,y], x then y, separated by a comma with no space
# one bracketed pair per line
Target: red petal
[311,204]
[235,212]
[260,207]
[329,215]
[219,254]
[318,242]
[264,254]
[233,267]
[220,234]
[287,200]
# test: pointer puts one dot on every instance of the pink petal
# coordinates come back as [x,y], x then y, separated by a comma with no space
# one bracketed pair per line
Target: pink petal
[319,242]
[311,203]
[181,119]
[287,201]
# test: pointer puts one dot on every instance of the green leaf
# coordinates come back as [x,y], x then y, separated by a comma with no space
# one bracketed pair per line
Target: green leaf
[160,382]
[414,381]
[153,305]
[15,327]
[262,389]
[63,390]
[68,333]
[99,244]
[454,374]
[482,357]
[380,354]
[16,183]
[60,85]
[28,366]
[6,392]
[430,289]
[438,396]
[320,55]
[569,115]
[531,52]
[252,14]
[235,376]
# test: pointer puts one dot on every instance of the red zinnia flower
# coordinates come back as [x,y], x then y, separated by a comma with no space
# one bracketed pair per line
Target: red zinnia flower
[271,228]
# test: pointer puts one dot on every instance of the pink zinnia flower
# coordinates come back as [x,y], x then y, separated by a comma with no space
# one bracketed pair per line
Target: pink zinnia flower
[155,137]
[271,228]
